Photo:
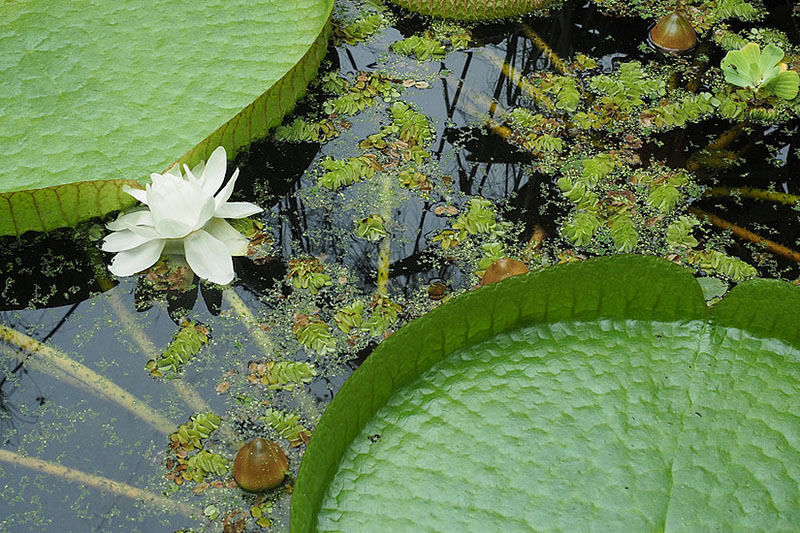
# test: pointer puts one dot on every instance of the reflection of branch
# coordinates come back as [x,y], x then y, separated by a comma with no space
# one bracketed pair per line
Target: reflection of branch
[98,482]
[451,108]
[470,102]
[56,363]
[748,235]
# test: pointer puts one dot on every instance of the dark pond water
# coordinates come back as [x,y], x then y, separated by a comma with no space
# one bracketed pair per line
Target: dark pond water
[49,290]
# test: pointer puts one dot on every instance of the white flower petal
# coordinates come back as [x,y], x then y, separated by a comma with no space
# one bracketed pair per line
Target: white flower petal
[221,230]
[162,181]
[147,232]
[137,259]
[173,229]
[174,170]
[209,257]
[139,216]
[192,178]
[237,210]
[223,195]
[214,173]
[181,201]
[123,240]
[198,169]
[139,194]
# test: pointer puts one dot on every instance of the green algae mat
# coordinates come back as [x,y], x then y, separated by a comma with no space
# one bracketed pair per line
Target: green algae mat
[96,93]
[603,395]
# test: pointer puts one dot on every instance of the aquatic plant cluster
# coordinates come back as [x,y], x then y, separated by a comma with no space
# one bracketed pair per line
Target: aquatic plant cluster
[589,131]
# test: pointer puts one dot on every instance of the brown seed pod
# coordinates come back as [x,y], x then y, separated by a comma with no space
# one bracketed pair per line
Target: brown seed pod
[502,269]
[260,465]
[673,34]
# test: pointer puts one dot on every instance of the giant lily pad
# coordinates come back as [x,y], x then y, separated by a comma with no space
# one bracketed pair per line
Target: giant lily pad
[597,396]
[98,93]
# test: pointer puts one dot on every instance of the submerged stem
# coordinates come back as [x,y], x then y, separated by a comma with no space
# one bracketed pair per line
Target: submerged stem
[750,192]
[137,333]
[545,48]
[54,362]
[384,250]
[99,482]
[726,138]
[532,91]
[148,348]
[748,235]
[248,319]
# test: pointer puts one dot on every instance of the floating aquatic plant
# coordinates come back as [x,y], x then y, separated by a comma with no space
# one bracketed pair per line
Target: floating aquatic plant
[190,435]
[476,9]
[679,233]
[480,218]
[371,228]
[350,316]
[629,87]
[307,274]
[302,130]
[423,47]
[361,28]
[314,334]
[280,375]
[340,173]
[714,262]
[760,70]
[623,232]
[414,179]
[383,315]
[288,426]
[203,463]
[185,344]
[491,252]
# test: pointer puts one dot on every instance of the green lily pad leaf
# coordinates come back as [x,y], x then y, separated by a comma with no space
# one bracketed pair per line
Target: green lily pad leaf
[712,287]
[602,395]
[96,94]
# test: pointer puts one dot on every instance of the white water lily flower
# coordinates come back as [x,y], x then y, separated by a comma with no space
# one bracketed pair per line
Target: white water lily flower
[183,214]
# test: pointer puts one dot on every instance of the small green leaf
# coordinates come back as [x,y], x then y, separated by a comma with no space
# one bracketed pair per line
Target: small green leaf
[624,233]
[785,85]
[580,230]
